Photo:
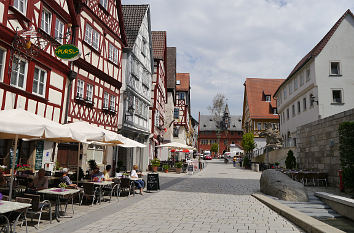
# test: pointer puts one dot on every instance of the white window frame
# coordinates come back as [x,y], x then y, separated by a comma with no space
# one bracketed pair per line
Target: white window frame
[20,59]
[2,62]
[112,103]
[298,107]
[178,82]
[287,113]
[44,22]
[80,88]
[24,7]
[302,79]
[40,72]
[308,74]
[268,100]
[284,92]
[105,100]
[59,30]
[339,68]
[290,85]
[341,96]
[104,3]
[275,112]
[259,126]
[157,118]
[113,53]
[296,84]
[304,104]
[92,37]
[89,92]
[293,110]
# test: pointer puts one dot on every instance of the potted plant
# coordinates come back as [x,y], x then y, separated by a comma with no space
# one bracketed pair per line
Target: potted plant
[62,186]
[165,168]
[155,163]
[178,167]
[276,164]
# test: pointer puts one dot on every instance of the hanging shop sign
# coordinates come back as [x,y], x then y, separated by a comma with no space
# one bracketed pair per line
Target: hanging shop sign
[67,52]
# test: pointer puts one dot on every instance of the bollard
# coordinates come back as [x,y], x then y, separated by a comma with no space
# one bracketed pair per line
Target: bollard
[257,167]
[341,185]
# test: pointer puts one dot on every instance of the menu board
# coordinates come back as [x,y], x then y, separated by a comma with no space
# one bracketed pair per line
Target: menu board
[39,154]
[153,182]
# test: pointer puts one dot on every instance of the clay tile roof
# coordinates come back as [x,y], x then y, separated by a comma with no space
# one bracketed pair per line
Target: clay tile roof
[318,48]
[159,44]
[133,17]
[184,81]
[258,107]
[171,67]
[207,123]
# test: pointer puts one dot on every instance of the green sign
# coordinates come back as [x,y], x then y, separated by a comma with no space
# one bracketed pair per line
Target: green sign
[68,52]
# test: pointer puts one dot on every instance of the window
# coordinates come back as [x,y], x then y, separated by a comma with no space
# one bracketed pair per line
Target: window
[293,110]
[92,37]
[178,82]
[287,114]
[298,107]
[284,92]
[105,100]
[113,54]
[46,21]
[337,97]
[304,104]
[80,89]
[275,111]
[59,30]
[112,103]
[308,75]
[175,134]
[104,3]
[157,118]
[89,92]
[143,47]
[39,81]
[290,88]
[282,116]
[301,79]
[335,68]
[181,95]
[267,97]
[259,126]
[2,61]
[295,84]
[18,74]
[311,98]
[176,113]
[21,5]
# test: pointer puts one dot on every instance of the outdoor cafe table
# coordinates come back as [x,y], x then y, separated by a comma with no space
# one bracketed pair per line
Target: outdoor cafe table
[9,206]
[100,185]
[58,193]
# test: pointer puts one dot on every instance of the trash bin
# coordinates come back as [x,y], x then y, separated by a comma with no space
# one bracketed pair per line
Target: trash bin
[256,167]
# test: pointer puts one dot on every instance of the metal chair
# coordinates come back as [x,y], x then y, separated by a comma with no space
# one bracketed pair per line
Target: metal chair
[4,224]
[38,206]
[89,191]
[321,176]
[126,184]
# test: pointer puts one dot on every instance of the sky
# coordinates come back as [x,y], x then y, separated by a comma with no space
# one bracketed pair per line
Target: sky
[221,43]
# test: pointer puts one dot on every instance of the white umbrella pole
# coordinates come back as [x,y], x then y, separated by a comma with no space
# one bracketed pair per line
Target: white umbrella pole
[78,165]
[13,167]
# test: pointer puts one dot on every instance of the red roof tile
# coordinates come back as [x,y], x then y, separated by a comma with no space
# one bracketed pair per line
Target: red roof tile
[318,48]
[159,44]
[254,89]
[184,79]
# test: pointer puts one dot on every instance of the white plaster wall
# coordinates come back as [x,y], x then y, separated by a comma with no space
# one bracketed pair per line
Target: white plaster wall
[169,108]
[1,11]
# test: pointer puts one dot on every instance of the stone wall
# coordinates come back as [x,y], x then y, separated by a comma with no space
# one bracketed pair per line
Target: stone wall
[318,145]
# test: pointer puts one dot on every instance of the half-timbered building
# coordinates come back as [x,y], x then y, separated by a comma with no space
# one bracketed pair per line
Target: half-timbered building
[138,66]
[158,92]
[31,77]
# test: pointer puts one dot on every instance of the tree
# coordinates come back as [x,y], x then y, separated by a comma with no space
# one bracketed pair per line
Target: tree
[214,148]
[248,143]
[217,108]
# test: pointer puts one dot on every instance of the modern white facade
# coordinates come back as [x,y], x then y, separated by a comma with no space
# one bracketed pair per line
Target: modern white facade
[322,84]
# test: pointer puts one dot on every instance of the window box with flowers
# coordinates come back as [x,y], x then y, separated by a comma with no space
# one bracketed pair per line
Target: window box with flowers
[23,169]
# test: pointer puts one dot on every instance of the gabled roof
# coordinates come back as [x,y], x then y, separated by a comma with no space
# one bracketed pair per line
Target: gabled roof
[255,88]
[171,67]
[184,79]
[206,123]
[318,48]
[133,17]
[159,44]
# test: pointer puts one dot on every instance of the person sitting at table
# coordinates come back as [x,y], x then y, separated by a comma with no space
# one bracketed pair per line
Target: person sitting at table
[138,183]
[97,175]
[40,181]
[65,179]
[107,172]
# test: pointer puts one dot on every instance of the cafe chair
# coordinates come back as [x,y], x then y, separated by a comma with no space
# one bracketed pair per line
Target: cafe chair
[126,184]
[321,177]
[38,206]
[89,191]
[5,198]
[4,224]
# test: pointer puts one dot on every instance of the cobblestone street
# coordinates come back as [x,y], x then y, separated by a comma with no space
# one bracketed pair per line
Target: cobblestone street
[215,200]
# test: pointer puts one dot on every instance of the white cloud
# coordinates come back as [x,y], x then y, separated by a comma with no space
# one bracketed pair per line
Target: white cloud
[222,42]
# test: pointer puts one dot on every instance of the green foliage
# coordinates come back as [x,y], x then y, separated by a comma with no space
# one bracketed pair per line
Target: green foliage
[246,162]
[165,167]
[155,162]
[62,185]
[290,161]
[248,143]
[92,163]
[214,148]
[179,164]
[57,165]
[346,149]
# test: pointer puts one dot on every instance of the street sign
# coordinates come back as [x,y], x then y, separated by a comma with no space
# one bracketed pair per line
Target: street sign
[67,52]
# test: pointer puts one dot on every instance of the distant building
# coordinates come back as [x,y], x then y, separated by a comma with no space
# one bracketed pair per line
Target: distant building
[259,108]
[321,84]
[227,133]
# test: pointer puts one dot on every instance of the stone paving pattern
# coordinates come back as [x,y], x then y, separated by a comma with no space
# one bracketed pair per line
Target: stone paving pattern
[217,199]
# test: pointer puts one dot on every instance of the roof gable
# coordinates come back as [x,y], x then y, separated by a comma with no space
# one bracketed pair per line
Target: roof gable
[133,17]
[159,44]
[207,123]
[184,79]
[171,67]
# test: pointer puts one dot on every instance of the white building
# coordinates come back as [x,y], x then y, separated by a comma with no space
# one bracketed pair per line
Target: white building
[321,84]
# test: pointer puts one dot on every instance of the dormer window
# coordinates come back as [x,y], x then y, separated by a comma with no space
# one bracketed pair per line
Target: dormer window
[267,98]
[178,82]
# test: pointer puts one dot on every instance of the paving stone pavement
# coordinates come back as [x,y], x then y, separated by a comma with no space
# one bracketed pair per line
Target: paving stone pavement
[217,199]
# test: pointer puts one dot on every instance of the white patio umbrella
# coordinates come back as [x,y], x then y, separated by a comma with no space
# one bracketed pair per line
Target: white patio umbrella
[18,123]
[176,145]
[130,143]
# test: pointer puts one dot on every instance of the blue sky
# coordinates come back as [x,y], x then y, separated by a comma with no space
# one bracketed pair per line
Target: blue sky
[220,43]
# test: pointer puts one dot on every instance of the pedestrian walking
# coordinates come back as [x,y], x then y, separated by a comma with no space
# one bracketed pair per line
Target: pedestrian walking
[234,161]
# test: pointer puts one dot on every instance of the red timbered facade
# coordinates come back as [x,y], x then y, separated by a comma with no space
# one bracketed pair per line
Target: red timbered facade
[181,111]
[159,87]
[95,93]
